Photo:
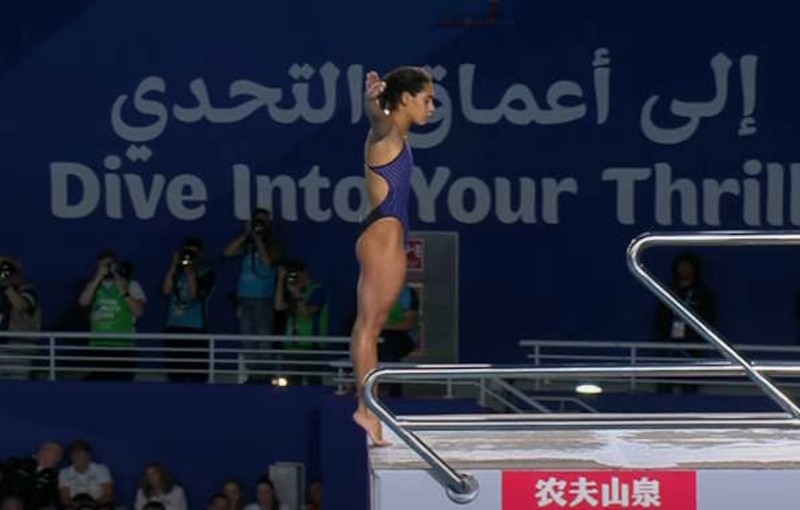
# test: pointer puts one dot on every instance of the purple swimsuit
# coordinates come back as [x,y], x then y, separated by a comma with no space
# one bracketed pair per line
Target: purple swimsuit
[397,174]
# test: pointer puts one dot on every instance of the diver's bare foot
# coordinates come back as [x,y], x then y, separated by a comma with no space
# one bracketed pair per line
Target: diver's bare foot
[372,426]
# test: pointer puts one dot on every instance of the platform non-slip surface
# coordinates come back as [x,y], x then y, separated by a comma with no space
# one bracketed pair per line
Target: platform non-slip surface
[597,449]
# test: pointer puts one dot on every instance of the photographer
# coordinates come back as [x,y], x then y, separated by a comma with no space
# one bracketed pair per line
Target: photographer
[188,284]
[116,301]
[306,306]
[19,311]
[257,249]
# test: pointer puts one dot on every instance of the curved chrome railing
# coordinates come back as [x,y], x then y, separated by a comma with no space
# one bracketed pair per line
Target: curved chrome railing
[643,242]
[463,488]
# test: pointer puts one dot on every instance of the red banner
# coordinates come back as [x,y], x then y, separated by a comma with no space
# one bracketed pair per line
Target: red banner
[592,490]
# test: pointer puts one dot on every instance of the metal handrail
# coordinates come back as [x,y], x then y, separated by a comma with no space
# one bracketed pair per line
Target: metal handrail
[638,245]
[651,345]
[463,487]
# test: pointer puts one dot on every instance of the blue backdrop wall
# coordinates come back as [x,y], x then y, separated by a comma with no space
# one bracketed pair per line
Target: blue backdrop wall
[562,132]
[203,433]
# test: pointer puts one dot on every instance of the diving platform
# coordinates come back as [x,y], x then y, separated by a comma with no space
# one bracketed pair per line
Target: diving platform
[684,469]
[582,461]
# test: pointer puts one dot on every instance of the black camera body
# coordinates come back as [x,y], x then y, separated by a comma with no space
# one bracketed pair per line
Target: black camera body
[187,257]
[259,227]
[122,269]
[6,271]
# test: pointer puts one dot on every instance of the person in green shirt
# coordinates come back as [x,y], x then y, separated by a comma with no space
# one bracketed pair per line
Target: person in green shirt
[306,305]
[115,300]
[400,333]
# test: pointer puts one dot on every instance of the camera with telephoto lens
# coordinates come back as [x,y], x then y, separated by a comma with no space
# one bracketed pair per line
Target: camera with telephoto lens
[122,269]
[6,270]
[259,227]
[293,269]
[187,257]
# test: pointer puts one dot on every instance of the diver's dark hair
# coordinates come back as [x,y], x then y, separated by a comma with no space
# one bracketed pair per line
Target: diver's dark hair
[403,79]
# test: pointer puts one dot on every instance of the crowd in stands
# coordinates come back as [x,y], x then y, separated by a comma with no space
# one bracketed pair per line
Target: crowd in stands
[43,482]
[274,295]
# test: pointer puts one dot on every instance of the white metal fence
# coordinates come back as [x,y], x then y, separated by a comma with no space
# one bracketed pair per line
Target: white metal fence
[577,352]
[145,356]
[235,359]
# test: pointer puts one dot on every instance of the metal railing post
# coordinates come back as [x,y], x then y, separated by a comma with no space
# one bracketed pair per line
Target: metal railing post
[51,358]
[461,488]
[212,359]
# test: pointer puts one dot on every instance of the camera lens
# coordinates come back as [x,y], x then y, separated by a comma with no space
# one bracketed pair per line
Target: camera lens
[6,270]
[187,257]
[259,226]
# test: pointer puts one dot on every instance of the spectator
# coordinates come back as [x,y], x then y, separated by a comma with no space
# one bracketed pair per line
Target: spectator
[85,478]
[34,479]
[306,306]
[258,252]
[400,333]
[266,496]
[218,502]
[12,503]
[687,286]
[234,491]
[19,312]
[314,496]
[116,300]
[157,485]
[188,285]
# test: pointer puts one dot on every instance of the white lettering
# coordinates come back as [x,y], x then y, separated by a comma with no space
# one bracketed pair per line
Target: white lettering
[144,203]
[615,493]
[626,179]
[551,492]
[526,212]
[341,198]
[761,195]
[457,198]
[775,177]
[113,185]
[61,173]
[182,191]
[583,490]
[713,191]
[242,209]
[311,185]
[551,191]
[265,187]
[427,193]
[143,106]
[646,493]
[665,188]
[144,195]
[752,192]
